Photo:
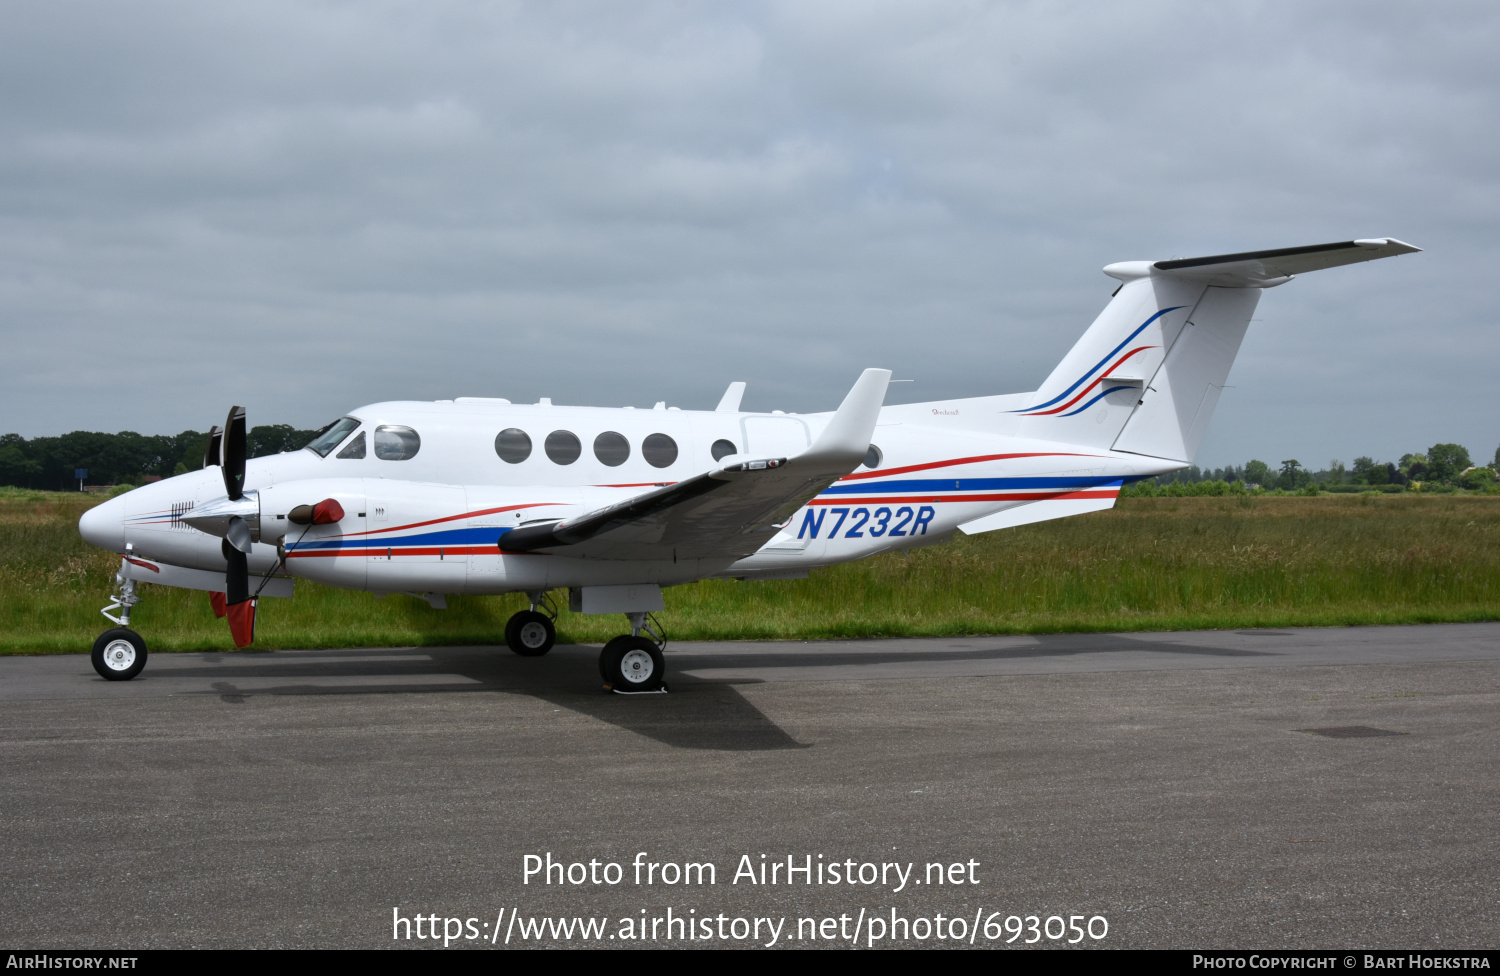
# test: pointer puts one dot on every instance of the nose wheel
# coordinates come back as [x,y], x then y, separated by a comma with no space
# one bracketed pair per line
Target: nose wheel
[530,634]
[119,654]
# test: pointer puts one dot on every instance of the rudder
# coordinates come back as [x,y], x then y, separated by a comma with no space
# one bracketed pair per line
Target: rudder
[1178,401]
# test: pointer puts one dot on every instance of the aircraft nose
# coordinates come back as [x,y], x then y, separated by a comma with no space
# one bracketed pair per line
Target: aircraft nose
[104,525]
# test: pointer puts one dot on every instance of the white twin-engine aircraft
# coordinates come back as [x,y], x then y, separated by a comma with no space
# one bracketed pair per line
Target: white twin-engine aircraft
[480,495]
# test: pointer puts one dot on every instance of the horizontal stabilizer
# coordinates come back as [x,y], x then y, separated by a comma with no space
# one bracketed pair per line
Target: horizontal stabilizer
[1042,511]
[1266,268]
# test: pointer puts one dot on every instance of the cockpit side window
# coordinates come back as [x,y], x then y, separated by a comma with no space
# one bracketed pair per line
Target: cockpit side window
[329,437]
[355,448]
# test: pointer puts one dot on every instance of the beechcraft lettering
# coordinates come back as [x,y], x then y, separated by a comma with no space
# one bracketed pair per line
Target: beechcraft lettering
[610,505]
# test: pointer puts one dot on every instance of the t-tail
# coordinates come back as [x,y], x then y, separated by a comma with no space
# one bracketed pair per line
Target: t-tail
[1145,377]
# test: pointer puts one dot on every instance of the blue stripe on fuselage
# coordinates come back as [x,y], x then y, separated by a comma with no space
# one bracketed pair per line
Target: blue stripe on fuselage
[484,536]
[966,484]
[1097,366]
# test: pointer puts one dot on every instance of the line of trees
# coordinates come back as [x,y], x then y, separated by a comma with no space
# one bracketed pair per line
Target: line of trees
[131,458]
[123,458]
[1447,466]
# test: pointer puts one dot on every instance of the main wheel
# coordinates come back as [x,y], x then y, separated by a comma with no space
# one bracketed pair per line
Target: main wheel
[632,664]
[119,654]
[604,655]
[530,634]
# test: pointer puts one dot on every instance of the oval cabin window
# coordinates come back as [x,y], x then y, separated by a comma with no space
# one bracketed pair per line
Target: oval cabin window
[562,446]
[611,448]
[659,450]
[513,445]
[873,457]
[394,443]
[722,449]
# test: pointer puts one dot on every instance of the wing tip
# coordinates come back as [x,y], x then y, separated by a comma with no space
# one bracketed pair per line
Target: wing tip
[1390,244]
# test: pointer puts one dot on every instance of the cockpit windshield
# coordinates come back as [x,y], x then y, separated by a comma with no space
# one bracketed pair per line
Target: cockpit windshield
[329,437]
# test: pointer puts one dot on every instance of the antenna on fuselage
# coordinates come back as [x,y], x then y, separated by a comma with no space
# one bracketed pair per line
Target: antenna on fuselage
[730,401]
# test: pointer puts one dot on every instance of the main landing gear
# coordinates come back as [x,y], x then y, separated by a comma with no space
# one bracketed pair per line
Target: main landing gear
[120,653]
[629,664]
[633,662]
[531,633]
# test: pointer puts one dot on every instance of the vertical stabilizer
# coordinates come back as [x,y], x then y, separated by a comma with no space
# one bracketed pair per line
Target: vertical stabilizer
[1092,392]
[1146,376]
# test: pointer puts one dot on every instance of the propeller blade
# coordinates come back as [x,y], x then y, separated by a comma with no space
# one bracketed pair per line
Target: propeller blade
[239,606]
[232,453]
[237,576]
[237,534]
[211,449]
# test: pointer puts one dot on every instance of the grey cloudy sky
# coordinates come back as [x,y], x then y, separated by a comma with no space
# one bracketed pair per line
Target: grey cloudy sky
[302,207]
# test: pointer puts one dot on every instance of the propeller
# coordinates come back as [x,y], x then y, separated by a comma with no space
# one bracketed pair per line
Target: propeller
[238,603]
[231,518]
[236,519]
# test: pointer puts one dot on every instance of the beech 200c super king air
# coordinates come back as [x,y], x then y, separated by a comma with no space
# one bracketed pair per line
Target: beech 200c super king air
[484,496]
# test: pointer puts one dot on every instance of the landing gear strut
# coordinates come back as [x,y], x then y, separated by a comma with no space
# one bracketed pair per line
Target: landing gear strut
[633,662]
[120,653]
[531,633]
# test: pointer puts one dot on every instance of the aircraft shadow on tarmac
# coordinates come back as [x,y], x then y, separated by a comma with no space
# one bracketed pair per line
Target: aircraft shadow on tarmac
[700,712]
[828,654]
[695,714]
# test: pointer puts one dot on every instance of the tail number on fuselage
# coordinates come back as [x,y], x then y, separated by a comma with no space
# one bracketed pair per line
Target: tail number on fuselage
[861,521]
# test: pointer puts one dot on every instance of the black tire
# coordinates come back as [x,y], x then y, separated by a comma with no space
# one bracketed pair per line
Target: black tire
[609,648]
[633,664]
[119,654]
[530,634]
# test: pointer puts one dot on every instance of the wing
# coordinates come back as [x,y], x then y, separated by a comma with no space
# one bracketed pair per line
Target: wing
[729,512]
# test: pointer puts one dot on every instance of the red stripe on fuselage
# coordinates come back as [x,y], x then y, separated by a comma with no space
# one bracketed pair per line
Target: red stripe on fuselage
[376,550]
[445,518]
[1002,496]
[1090,387]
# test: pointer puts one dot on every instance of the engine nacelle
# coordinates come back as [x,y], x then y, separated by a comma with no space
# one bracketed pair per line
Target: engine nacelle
[397,536]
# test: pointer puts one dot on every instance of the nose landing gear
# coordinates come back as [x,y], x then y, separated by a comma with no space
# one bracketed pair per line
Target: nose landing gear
[531,633]
[120,653]
[633,663]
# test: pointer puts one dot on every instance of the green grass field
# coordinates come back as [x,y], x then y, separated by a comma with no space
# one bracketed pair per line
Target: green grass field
[1150,564]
